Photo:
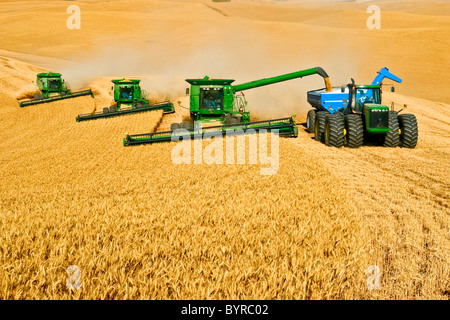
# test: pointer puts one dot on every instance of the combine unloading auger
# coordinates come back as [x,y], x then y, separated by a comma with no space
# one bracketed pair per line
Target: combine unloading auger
[53,88]
[216,100]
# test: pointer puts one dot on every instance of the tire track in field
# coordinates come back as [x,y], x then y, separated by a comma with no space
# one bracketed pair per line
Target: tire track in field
[403,198]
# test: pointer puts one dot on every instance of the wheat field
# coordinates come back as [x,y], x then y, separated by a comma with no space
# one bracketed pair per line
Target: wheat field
[139,226]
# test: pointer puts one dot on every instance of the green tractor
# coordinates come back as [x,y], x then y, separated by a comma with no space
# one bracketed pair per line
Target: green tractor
[219,101]
[128,98]
[349,115]
[52,88]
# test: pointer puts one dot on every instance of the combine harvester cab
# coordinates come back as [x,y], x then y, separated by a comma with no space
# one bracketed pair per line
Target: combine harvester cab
[129,98]
[219,101]
[346,115]
[53,88]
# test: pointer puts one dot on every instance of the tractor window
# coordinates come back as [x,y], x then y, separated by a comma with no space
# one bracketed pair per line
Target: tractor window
[53,84]
[211,99]
[126,92]
[364,96]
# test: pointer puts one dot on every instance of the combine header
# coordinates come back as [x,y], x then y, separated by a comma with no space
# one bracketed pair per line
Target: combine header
[347,115]
[217,100]
[52,88]
[129,98]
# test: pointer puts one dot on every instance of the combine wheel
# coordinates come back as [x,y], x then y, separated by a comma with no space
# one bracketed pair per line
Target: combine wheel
[353,131]
[334,130]
[139,105]
[310,119]
[408,130]
[231,120]
[105,110]
[319,125]
[392,138]
[186,125]
[174,126]
[112,109]
[238,118]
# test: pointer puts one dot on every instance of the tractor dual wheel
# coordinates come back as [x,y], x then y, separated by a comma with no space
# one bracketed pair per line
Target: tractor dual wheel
[392,138]
[408,130]
[319,125]
[310,119]
[334,130]
[353,131]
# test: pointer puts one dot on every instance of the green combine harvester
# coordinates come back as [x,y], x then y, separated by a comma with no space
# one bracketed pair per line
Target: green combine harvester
[129,98]
[217,100]
[52,88]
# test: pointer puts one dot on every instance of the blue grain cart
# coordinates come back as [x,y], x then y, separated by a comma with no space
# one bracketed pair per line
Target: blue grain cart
[346,115]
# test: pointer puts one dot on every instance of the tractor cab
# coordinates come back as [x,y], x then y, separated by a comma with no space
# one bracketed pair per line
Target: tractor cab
[366,94]
[366,100]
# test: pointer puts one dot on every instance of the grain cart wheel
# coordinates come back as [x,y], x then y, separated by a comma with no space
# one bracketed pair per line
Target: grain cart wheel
[353,131]
[105,110]
[310,119]
[408,130]
[319,125]
[392,138]
[334,130]
[174,126]
[112,109]
[186,125]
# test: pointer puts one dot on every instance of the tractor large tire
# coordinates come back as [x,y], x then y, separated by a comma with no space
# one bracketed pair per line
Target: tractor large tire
[310,119]
[409,131]
[354,131]
[174,126]
[186,125]
[319,125]
[334,130]
[392,138]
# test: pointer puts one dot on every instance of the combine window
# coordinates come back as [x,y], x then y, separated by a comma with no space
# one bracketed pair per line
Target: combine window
[126,92]
[53,84]
[211,99]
